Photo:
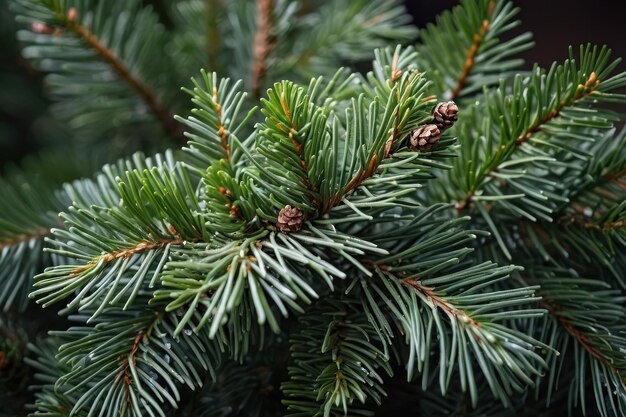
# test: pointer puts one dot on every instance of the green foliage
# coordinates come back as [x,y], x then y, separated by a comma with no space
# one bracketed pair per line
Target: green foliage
[107,49]
[28,210]
[448,280]
[588,324]
[463,51]
[339,352]
[422,288]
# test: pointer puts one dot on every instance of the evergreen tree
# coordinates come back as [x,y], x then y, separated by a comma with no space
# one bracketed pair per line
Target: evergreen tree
[437,234]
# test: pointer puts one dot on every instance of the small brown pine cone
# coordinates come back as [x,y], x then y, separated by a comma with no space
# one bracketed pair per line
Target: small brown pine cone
[445,114]
[424,138]
[290,219]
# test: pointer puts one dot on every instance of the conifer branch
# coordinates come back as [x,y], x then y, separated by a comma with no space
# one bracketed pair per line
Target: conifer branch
[578,335]
[291,130]
[127,253]
[263,43]
[402,86]
[162,114]
[472,51]
[16,240]
[221,128]
[446,307]
[582,91]
[578,219]
[337,361]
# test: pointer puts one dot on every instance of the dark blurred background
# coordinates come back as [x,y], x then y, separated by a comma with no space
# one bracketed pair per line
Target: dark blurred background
[556,24]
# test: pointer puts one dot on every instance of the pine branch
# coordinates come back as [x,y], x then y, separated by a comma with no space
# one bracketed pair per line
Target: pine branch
[393,79]
[472,51]
[585,313]
[463,51]
[141,369]
[336,363]
[163,115]
[215,122]
[582,91]
[30,201]
[525,165]
[130,230]
[425,279]
[82,36]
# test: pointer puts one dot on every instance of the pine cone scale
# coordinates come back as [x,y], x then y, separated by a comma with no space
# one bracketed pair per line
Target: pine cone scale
[445,114]
[290,219]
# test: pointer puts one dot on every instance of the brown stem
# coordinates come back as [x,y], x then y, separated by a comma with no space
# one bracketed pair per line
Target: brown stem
[125,373]
[263,43]
[438,301]
[582,91]
[470,61]
[373,164]
[221,130]
[126,253]
[145,92]
[35,234]
[620,224]
[298,148]
[581,337]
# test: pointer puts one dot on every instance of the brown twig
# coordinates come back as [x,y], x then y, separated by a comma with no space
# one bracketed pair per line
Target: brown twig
[582,339]
[36,234]
[221,131]
[375,161]
[470,61]
[582,91]
[126,253]
[429,292]
[297,147]
[124,373]
[118,66]
[577,219]
[448,308]
[263,43]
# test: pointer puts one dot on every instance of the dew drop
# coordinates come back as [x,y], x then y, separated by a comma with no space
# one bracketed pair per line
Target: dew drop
[588,212]
[187,332]
[166,358]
